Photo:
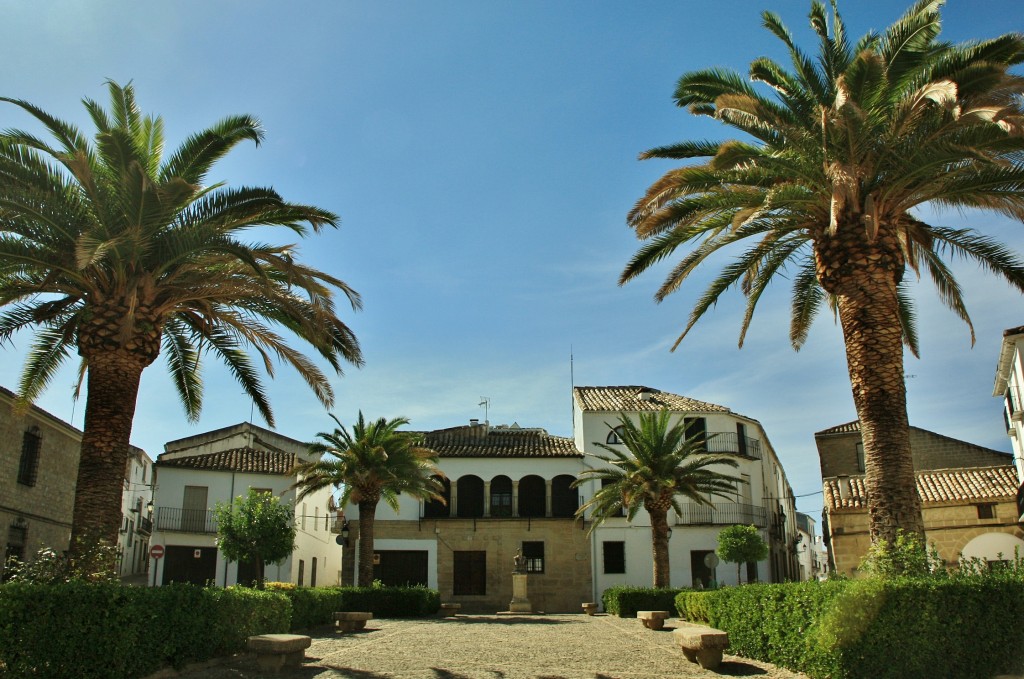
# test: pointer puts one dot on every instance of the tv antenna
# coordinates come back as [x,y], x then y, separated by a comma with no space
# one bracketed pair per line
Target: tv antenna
[486,403]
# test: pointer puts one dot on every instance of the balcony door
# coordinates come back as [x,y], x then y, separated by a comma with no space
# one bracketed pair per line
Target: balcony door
[193,509]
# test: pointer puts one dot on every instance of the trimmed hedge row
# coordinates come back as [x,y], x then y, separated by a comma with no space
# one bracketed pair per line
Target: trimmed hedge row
[312,607]
[107,631]
[110,631]
[872,629]
[625,601]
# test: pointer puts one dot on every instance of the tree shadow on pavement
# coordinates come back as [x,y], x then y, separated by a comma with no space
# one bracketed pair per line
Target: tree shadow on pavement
[505,620]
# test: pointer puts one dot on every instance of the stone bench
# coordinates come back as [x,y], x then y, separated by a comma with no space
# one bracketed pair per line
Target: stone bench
[653,619]
[274,651]
[702,645]
[450,610]
[590,608]
[350,621]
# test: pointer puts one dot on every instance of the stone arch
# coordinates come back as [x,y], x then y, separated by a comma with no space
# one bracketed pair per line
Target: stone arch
[994,546]
[532,496]
[564,498]
[432,509]
[501,497]
[470,502]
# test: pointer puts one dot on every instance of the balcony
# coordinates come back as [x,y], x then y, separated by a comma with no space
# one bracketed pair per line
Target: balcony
[145,527]
[173,519]
[732,443]
[723,513]
[1014,403]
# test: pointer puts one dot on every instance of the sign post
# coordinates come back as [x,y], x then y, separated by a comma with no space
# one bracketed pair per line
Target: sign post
[156,552]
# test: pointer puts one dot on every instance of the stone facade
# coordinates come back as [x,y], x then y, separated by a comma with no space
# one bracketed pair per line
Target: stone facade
[950,528]
[561,588]
[38,466]
[967,493]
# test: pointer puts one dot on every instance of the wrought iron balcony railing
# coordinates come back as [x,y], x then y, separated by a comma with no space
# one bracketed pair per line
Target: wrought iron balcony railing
[723,513]
[145,527]
[185,520]
[1014,402]
[731,442]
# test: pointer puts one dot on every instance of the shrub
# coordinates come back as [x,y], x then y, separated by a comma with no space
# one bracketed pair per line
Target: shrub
[315,606]
[873,628]
[110,631]
[625,601]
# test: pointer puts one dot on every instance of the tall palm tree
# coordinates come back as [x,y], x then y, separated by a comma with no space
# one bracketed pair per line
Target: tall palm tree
[660,465]
[110,248]
[374,461]
[837,154]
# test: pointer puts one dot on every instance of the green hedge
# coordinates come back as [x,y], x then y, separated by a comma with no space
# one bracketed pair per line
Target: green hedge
[626,601]
[315,606]
[110,631]
[956,628]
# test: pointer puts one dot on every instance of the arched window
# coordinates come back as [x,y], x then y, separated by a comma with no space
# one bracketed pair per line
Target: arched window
[614,436]
[501,497]
[432,509]
[564,498]
[28,467]
[532,500]
[470,503]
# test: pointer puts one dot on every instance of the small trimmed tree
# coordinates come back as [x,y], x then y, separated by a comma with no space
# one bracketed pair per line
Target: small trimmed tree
[740,545]
[257,528]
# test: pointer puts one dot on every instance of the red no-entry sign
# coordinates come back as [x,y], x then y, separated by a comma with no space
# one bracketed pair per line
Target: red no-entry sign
[156,551]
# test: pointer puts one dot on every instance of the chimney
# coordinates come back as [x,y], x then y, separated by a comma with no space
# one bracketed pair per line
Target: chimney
[474,422]
[645,394]
[844,489]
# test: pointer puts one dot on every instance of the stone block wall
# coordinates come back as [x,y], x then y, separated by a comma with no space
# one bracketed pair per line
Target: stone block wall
[40,512]
[948,527]
[562,587]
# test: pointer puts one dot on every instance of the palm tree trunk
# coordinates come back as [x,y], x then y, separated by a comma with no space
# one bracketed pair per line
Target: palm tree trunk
[113,386]
[864,277]
[367,517]
[659,544]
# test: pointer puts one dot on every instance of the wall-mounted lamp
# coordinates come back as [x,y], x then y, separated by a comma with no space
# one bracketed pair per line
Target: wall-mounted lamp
[669,533]
[344,532]
[149,506]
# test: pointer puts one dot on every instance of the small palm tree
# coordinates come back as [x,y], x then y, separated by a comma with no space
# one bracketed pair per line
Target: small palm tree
[372,462]
[823,188]
[660,465]
[112,250]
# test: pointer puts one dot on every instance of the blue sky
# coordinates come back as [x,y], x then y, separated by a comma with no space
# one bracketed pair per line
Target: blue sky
[482,156]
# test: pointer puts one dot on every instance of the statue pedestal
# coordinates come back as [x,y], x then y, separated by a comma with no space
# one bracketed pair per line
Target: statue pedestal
[520,601]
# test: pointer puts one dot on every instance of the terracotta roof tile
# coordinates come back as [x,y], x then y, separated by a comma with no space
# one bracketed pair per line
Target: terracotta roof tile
[638,399]
[485,441]
[235,460]
[847,428]
[937,486]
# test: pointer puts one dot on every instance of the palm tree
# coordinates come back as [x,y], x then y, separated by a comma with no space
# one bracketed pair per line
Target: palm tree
[660,465]
[112,249]
[374,461]
[824,189]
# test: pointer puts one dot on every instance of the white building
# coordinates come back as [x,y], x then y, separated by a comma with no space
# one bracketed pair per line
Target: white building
[810,549]
[136,515]
[509,488]
[622,550]
[195,473]
[1010,387]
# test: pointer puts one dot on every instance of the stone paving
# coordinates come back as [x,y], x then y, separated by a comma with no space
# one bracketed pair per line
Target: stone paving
[496,647]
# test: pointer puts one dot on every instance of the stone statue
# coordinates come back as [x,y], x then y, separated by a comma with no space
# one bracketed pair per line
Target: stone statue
[518,562]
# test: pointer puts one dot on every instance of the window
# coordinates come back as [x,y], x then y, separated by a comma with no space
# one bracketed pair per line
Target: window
[302,572]
[986,511]
[614,557]
[696,428]
[533,552]
[470,573]
[28,468]
[316,524]
[614,436]
[303,516]
[501,496]
[312,573]
[860,457]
